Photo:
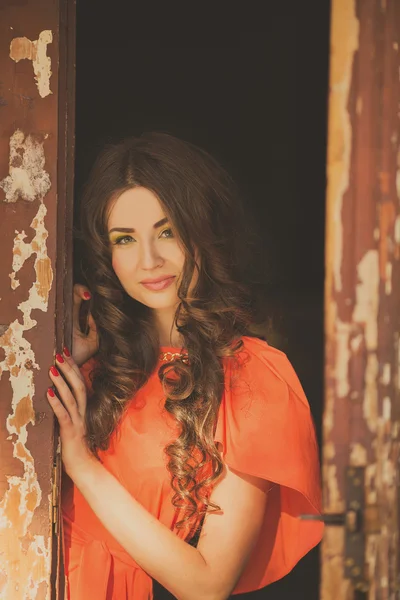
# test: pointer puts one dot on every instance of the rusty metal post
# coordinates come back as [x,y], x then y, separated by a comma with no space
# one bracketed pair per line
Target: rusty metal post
[36,153]
[362,412]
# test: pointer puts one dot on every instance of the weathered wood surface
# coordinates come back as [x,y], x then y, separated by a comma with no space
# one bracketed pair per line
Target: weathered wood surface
[362,410]
[33,188]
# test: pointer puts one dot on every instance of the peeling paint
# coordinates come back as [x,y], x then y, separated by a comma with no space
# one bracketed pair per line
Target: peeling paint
[344,44]
[360,425]
[24,495]
[397,230]
[21,48]
[328,418]
[27,179]
[367,297]
[388,282]
[342,358]
[366,313]
[371,401]
[387,219]
[398,183]
[372,551]
[339,160]
[330,450]
[335,500]
[39,292]
[358,455]
[386,374]
[356,343]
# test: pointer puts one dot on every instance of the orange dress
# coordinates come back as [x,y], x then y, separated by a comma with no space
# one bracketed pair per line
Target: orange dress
[265,428]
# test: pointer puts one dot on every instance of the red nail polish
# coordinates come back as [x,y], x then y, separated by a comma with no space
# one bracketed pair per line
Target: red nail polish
[66,352]
[54,371]
[51,393]
[59,358]
[87,295]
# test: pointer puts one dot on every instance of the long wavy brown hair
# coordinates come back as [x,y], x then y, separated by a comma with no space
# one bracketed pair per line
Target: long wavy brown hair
[201,201]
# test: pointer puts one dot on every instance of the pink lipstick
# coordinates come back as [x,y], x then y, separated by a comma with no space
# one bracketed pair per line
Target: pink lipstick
[158,284]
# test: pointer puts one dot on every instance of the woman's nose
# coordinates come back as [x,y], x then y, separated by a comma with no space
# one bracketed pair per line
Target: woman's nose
[149,256]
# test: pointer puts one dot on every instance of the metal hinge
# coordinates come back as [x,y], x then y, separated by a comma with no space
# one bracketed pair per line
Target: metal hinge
[55,494]
[358,519]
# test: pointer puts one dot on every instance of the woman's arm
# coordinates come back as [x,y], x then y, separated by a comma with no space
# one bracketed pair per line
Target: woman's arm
[208,572]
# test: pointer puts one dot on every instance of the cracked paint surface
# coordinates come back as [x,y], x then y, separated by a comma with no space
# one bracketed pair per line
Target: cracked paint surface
[36,51]
[27,563]
[366,314]
[343,48]
[340,79]
[27,179]
[361,418]
[39,292]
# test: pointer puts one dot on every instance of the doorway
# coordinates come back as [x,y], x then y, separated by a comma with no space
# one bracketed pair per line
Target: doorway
[251,89]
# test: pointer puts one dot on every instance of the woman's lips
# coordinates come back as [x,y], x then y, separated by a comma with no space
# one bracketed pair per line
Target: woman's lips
[159,285]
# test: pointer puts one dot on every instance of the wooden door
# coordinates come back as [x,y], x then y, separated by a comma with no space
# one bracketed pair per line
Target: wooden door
[36,154]
[362,409]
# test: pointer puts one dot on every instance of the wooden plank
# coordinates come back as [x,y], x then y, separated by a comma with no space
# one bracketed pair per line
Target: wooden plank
[65,216]
[32,167]
[361,421]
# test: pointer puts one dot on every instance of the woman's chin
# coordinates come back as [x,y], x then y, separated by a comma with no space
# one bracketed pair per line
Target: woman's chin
[157,300]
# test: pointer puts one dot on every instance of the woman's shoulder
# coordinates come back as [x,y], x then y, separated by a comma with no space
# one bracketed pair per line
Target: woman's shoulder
[265,429]
[257,351]
[265,425]
[259,365]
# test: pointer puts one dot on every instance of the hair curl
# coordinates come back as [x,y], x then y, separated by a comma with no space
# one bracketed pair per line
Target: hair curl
[202,203]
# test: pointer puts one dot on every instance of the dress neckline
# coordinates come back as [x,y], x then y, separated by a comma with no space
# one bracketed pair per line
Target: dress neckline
[172,353]
[172,349]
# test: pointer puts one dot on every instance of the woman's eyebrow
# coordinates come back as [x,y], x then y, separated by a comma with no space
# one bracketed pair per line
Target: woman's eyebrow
[124,229]
[161,222]
[130,230]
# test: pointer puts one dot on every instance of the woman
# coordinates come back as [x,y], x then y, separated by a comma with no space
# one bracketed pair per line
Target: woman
[173,416]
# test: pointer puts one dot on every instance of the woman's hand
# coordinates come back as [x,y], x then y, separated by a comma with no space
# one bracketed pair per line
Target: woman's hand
[84,344]
[70,408]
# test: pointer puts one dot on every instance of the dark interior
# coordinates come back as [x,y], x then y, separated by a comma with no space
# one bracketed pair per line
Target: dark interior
[251,88]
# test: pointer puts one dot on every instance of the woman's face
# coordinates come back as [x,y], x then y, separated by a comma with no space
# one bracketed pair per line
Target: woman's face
[145,248]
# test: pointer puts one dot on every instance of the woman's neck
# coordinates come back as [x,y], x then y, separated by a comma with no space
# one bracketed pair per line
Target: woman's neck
[167,332]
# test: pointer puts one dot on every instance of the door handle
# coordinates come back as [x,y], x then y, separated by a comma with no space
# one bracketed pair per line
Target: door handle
[351,519]
[357,519]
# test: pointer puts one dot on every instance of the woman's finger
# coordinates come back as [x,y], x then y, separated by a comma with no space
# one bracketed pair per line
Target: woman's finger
[65,394]
[75,381]
[81,293]
[80,289]
[59,409]
[66,356]
[92,325]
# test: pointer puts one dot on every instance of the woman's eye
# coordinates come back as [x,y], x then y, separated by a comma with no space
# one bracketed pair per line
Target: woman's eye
[121,241]
[169,232]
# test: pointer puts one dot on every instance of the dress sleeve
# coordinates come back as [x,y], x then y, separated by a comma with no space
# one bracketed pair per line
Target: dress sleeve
[266,430]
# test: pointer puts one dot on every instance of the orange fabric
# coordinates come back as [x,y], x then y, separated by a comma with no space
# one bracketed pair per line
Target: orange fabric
[265,428]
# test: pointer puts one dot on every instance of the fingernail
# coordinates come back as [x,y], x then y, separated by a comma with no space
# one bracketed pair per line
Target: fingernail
[50,392]
[59,358]
[54,371]
[66,352]
[87,295]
